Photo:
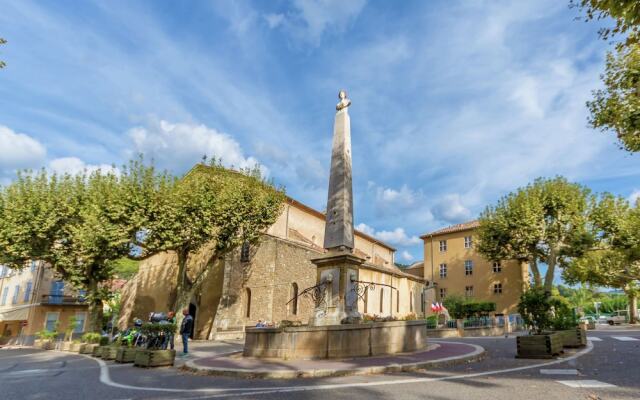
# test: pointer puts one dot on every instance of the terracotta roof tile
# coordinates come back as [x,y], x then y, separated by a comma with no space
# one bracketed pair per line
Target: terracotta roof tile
[453,228]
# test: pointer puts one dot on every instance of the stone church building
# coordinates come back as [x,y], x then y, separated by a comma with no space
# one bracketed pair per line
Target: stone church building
[258,283]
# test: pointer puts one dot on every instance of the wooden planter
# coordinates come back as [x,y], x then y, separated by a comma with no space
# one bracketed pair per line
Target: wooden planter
[539,346]
[75,347]
[573,337]
[97,351]
[66,346]
[126,354]
[44,344]
[154,358]
[109,352]
[87,348]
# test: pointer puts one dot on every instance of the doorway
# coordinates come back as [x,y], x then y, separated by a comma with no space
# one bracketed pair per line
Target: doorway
[192,312]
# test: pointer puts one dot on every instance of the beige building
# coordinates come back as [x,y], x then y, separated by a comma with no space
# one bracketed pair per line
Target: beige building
[455,267]
[259,283]
[32,300]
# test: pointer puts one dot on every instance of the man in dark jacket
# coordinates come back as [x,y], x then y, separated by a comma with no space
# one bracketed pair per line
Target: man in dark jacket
[185,330]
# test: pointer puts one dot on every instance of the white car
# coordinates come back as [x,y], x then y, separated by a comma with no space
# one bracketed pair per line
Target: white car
[618,317]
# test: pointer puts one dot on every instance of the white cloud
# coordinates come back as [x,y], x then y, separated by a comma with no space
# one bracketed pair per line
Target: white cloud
[178,146]
[274,20]
[362,227]
[634,196]
[406,256]
[404,197]
[74,166]
[396,237]
[18,150]
[450,209]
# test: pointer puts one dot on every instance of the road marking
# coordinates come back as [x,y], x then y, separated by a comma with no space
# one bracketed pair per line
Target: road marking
[595,339]
[625,338]
[559,371]
[587,383]
[106,379]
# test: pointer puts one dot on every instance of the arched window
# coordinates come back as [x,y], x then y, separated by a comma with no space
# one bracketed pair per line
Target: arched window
[410,301]
[381,299]
[248,300]
[294,296]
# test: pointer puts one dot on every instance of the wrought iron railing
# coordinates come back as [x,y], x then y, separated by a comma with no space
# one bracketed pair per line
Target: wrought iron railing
[61,299]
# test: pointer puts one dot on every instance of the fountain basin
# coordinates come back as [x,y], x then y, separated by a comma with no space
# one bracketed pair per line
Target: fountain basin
[336,341]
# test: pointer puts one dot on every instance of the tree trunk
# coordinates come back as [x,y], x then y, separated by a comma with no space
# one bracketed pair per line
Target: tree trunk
[537,278]
[633,307]
[95,307]
[551,266]
[185,289]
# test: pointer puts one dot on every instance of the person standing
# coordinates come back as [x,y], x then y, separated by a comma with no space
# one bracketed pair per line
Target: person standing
[171,317]
[185,330]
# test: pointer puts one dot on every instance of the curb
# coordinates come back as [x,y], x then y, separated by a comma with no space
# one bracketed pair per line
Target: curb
[478,354]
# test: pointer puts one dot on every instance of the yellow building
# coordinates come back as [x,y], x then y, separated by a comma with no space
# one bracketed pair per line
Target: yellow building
[455,267]
[33,299]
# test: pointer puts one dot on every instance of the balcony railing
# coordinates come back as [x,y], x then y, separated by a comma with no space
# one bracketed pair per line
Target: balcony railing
[62,299]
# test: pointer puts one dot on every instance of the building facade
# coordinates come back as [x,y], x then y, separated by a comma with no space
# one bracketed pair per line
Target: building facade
[33,299]
[261,282]
[452,263]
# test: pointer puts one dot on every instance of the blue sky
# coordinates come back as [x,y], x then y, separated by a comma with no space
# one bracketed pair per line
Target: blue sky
[454,103]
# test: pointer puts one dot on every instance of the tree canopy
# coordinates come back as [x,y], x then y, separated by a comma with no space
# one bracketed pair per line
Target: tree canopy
[611,257]
[616,108]
[539,223]
[2,63]
[84,225]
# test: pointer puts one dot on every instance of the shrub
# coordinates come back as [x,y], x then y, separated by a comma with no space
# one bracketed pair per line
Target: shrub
[410,317]
[542,312]
[91,337]
[460,308]
[47,335]
[104,340]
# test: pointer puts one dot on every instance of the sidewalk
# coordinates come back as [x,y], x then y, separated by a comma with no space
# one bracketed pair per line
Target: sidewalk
[444,353]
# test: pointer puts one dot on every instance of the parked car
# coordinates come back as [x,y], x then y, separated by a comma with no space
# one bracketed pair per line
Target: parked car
[617,317]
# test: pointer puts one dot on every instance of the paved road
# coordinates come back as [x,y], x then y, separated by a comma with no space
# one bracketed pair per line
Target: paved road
[612,363]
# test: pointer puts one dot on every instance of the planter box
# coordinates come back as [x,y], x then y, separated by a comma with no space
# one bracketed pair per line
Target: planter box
[87,348]
[573,337]
[154,358]
[75,347]
[66,346]
[126,354]
[109,352]
[539,346]
[97,351]
[44,344]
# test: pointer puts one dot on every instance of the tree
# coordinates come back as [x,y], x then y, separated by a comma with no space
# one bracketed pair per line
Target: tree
[540,223]
[2,63]
[204,217]
[612,258]
[616,108]
[625,12]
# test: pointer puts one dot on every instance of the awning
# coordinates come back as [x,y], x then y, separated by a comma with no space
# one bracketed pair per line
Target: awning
[20,313]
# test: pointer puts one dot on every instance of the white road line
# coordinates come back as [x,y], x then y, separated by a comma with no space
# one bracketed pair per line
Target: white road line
[559,371]
[595,339]
[106,379]
[625,338]
[587,383]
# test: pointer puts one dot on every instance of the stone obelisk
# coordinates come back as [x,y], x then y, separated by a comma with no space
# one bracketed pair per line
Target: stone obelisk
[338,269]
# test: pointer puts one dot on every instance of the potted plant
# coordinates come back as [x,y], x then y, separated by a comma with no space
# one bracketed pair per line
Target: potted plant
[156,354]
[565,323]
[126,353]
[535,307]
[104,342]
[90,341]
[46,339]
[67,344]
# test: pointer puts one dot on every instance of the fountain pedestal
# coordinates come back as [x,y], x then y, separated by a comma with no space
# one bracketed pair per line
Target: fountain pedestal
[339,272]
